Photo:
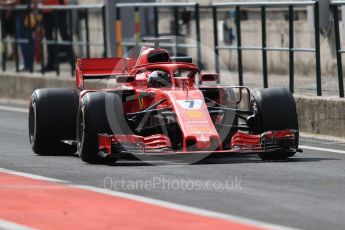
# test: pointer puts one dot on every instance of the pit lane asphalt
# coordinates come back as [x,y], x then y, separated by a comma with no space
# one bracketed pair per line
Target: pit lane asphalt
[307,191]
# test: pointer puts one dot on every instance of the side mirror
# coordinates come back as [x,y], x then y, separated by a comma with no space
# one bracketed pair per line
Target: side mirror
[125,79]
[209,77]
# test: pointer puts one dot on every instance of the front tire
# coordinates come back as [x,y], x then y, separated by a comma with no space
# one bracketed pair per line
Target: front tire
[275,109]
[99,112]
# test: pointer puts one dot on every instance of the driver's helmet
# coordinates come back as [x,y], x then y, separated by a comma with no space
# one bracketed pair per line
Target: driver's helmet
[159,78]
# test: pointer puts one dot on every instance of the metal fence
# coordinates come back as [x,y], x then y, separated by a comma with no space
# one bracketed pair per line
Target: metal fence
[175,7]
[57,42]
[264,49]
[339,51]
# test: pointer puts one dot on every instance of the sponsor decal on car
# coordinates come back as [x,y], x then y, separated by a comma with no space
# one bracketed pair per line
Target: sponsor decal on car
[141,102]
[193,114]
[200,130]
[190,104]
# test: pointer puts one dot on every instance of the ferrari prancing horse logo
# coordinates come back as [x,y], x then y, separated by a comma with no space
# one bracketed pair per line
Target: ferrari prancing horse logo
[141,102]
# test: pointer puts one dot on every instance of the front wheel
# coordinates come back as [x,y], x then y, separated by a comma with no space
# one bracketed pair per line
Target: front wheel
[99,112]
[275,109]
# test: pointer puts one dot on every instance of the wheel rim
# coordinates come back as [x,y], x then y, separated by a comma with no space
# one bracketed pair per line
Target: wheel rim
[32,122]
[80,130]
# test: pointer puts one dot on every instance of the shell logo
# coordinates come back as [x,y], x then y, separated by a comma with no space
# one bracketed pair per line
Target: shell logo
[194,113]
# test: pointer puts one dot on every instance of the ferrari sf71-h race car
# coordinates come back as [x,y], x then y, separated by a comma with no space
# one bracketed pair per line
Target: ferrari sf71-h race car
[160,105]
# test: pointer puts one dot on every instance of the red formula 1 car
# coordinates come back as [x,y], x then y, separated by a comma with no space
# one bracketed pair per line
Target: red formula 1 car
[156,108]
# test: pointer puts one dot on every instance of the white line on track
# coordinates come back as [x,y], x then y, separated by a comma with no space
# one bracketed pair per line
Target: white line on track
[13,109]
[156,202]
[31,176]
[6,225]
[322,149]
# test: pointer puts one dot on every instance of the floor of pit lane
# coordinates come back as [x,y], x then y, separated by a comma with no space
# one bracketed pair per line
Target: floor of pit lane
[306,191]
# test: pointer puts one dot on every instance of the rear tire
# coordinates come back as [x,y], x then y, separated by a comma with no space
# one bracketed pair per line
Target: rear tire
[99,112]
[275,109]
[52,118]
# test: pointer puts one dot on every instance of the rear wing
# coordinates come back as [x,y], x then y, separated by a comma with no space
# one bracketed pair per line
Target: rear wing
[99,68]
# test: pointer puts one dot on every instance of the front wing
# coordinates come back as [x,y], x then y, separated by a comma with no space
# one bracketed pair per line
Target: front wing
[160,145]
